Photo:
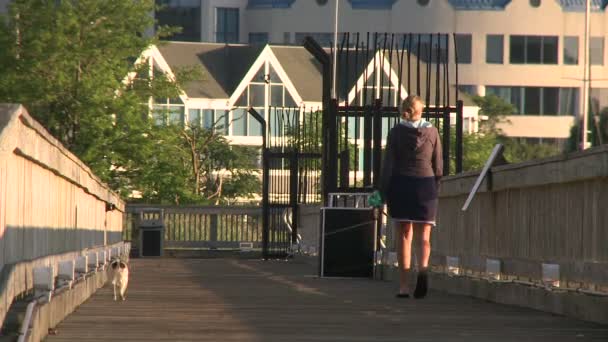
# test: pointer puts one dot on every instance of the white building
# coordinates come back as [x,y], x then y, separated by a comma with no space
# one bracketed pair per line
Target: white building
[529,52]
[238,76]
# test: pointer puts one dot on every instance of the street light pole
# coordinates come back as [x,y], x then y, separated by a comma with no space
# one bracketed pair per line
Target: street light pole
[586,74]
[333,79]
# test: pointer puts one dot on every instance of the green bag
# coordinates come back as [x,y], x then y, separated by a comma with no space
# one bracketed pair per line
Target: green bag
[375,200]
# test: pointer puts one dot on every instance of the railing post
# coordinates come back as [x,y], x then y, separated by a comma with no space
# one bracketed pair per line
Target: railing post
[265,185]
[377,140]
[459,118]
[213,227]
[446,141]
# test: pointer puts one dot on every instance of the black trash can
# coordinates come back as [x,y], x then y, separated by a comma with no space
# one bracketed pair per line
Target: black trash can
[151,233]
[348,242]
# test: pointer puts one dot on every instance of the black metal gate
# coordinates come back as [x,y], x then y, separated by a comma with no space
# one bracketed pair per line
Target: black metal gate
[373,73]
[291,174]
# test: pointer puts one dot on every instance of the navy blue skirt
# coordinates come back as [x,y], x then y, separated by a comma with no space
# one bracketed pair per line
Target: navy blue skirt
[412,199]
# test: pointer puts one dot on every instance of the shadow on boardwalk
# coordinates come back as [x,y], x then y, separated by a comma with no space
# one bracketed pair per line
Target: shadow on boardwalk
[253,300]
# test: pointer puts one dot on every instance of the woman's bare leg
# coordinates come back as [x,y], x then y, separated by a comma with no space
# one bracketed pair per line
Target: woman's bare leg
[423,236]
[404,254]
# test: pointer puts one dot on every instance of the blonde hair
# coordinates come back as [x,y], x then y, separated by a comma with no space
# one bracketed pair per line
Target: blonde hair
[407,105]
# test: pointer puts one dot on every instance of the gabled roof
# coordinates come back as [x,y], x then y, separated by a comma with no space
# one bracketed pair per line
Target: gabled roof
[303,70]
[226,65]
[223,65]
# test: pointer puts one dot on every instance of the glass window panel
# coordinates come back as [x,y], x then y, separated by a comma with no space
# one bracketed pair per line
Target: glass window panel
[221,121]
[289,101]
[517,99]
[276,95]
[260,75]
[549,50]
[494,49]
[185,14]
[353,128]
[176,100]
[533,49]
[274,77]
[468,89]
[274,124]
[159,114]
[208,118]
[568,100]
[386,126]
[227,25]
[242,100]
[571,50]
[256,95]
[239,122]
[596,50]
[255,128]
[194,117]
[550,100]
[532,100]
[463,47]
[517,49]
[258,38]
[600,96]
[176,115]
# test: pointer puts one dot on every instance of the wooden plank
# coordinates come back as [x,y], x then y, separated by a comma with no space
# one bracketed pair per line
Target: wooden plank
[208,244]
[211,300]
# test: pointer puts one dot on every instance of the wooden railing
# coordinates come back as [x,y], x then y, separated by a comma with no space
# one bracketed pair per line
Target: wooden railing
[52,207]
[550,211]
[200,226]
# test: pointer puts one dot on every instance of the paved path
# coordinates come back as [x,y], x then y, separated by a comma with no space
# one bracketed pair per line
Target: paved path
[252,300]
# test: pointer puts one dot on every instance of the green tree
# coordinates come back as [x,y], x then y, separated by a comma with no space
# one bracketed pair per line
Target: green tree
[218,172]
[67,61]
[478,146]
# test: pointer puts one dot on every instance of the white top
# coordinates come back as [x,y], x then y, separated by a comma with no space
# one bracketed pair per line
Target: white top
[416,124]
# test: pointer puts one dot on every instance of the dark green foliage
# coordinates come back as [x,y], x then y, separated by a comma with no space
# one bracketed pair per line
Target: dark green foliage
[67,62]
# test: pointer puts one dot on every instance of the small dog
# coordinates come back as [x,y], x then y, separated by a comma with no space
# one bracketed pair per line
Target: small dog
[120,277]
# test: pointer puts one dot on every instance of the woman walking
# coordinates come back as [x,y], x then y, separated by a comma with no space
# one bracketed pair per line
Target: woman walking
[411,171]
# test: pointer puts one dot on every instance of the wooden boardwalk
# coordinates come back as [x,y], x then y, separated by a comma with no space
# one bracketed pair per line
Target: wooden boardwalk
[252,300]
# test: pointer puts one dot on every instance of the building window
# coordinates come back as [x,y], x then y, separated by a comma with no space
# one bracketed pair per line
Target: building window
[535,3]
[596,50]
[168,111]
[227,25]
[533,49]
[539,100]
[599,99]
[264,4]
[479,5]
[494,49]
[286,37]
[324,39]
[180,13]
[468,89]
[216,119]
[571,50]
[322,2]
[258,38]
[423,2]
[372,4]
[264,90]
[424,46]
[463,48]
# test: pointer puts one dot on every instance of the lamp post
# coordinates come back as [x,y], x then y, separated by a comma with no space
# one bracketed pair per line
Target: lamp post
[333,78]
[586,74]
